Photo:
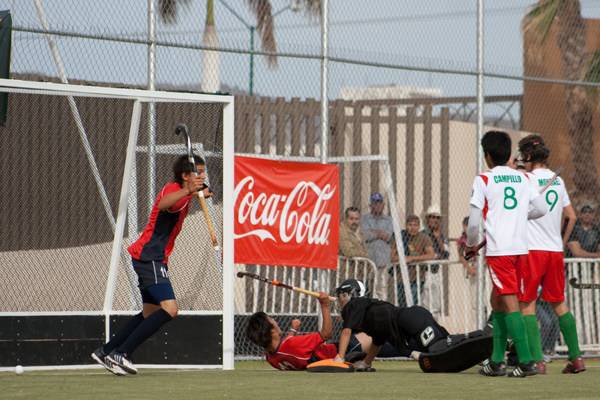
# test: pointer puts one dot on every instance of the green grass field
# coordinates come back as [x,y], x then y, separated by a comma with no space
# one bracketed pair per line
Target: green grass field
[257,380]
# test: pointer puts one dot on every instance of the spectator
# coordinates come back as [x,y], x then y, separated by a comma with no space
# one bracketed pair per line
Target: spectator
[352,237]
[433,285]
[584,241]
[378,229]
[417,247]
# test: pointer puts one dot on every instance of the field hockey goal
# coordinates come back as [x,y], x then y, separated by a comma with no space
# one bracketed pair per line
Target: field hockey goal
[82,166]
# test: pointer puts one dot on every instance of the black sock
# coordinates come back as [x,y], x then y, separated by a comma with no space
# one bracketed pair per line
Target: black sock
[123,334]
[147,328]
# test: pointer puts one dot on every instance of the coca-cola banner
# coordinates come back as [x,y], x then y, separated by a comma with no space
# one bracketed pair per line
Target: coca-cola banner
[286,213]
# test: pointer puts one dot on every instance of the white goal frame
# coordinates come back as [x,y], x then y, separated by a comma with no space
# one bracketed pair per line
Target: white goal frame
[139,97]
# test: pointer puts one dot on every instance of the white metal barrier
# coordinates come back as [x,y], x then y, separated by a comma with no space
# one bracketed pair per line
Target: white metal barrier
[583,303]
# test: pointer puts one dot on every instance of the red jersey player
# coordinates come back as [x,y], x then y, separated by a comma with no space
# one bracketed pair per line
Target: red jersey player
[149,257]
[293,352]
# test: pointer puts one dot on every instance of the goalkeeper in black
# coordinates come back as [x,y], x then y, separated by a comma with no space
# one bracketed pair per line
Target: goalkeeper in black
[411,330]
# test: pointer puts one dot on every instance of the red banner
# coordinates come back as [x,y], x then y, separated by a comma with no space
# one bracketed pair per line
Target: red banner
[286,213]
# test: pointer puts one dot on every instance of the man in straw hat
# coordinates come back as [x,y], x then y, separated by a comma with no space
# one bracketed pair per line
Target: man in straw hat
[433,284]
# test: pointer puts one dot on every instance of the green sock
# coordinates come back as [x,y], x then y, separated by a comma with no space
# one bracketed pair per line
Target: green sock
[499,336]
[533,337]
[569,331]
[516,328]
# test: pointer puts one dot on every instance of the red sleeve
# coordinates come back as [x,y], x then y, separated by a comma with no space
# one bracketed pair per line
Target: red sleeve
[172,188]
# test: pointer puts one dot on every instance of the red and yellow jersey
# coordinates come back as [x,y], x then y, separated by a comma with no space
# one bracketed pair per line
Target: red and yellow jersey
[158,239]
[294,352]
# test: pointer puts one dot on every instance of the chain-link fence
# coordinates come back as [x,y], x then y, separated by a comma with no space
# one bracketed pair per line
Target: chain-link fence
[402,84]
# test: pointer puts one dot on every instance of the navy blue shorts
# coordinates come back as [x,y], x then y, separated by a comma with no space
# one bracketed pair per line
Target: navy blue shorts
[154,282]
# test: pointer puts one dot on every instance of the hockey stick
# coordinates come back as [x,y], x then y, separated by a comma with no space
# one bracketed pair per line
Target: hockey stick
[477,248]
[573,282]
[242,274]
[181,128]
[542,190]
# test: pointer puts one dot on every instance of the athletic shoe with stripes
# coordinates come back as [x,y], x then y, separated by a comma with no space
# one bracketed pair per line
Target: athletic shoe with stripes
[524,370]
[574,366]
[493,369]
[123,360]
[101,358]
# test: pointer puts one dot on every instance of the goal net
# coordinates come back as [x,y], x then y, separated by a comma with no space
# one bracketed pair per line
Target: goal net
[82,168]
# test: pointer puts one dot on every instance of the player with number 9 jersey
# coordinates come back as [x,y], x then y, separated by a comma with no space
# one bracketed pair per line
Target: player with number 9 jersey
[544,233]
[545,266]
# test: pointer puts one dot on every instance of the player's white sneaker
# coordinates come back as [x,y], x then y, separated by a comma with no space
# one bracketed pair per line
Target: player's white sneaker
[101,358]
[123,360]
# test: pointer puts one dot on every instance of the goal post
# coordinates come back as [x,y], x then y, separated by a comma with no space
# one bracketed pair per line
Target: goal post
[86,200]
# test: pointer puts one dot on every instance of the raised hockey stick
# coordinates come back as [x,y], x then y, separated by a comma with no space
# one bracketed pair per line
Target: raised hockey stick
[542,190]
[242,274]
[573,282]
[181,128]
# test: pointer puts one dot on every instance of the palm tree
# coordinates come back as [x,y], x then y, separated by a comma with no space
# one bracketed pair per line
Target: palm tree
[211,60]
[571,42]
[265,26]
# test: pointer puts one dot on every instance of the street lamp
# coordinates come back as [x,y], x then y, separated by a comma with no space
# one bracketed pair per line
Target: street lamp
[294,7]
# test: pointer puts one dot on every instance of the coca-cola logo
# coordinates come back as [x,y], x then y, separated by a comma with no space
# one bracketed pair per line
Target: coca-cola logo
[290,216]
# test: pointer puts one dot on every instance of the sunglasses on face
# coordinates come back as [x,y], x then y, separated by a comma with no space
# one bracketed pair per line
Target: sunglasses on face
[587,211]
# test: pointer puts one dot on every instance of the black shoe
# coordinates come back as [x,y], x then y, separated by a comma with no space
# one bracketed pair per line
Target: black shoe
[122,360]
[355,356]
[524,370]
[99,356]
[493,369]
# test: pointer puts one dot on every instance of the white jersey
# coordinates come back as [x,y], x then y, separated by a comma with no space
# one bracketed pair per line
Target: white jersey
[504,195]
[544,232]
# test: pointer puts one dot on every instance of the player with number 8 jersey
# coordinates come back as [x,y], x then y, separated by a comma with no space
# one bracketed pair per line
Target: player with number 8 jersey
[504,195]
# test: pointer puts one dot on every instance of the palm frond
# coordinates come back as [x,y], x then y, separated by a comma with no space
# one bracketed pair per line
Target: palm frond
[266,27]
[168,10]
[538,20]
[312,8]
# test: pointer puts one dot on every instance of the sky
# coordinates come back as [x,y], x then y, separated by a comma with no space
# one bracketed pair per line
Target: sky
[425,35]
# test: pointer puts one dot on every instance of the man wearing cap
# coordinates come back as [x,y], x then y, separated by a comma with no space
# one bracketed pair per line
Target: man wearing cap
[584,241]
[433,284]
[378,229]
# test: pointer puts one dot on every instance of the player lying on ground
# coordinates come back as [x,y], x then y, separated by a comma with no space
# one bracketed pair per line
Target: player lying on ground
[149,256]
[412,331]
[295,352]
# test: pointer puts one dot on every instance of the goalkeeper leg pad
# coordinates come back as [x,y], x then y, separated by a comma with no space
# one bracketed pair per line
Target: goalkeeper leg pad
[458,357]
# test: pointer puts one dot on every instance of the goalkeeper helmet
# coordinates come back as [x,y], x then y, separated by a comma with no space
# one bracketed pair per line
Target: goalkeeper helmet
[352,287]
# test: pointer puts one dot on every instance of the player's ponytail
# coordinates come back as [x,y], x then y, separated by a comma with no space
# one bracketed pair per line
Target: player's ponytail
[533,148]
